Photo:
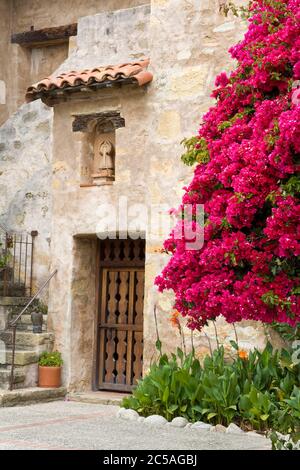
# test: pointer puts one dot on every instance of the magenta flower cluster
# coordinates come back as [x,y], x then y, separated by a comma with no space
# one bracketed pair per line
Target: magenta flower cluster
[248,267]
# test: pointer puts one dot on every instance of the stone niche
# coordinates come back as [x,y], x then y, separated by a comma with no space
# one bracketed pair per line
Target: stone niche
[98,149]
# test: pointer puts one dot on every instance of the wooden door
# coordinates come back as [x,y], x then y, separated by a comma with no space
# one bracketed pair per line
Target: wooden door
[120,343]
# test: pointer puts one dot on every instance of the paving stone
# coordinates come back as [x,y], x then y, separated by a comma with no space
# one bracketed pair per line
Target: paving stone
[256,434]
[69,425]
[98,398]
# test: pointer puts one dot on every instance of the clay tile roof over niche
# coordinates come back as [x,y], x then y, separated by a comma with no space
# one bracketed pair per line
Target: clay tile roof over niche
[132,72]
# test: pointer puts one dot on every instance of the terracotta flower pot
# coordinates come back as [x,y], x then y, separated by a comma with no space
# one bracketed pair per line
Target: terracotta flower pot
[49,377]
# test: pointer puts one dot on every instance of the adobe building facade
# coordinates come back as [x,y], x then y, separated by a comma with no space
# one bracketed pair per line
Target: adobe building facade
[72,161]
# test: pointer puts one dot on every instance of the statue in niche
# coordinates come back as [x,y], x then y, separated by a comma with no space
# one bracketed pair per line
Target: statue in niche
[106,154]
[104,160]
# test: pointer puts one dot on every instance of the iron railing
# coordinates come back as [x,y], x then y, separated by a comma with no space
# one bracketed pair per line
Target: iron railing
[16,263]
[13,324]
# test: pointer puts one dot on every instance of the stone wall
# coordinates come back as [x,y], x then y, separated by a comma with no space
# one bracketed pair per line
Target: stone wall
[114,37]
[5,15]
[41,14]
[187,42]
[25,178]
[20,67]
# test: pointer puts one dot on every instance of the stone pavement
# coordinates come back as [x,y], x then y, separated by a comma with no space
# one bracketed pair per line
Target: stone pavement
[70,425]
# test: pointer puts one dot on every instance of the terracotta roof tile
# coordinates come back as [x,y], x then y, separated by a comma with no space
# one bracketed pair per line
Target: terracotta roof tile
[137,71]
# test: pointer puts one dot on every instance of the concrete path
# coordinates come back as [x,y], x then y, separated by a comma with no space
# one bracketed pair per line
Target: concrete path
[71,425]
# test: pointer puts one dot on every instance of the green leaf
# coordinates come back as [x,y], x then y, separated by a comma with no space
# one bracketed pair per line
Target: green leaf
[180,354]
[234,345]
[211,415]
[197,408]
[166,394]
[264,417]
[172,408]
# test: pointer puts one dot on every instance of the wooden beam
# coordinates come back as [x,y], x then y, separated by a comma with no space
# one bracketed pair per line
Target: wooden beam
[45,37]
[107,121]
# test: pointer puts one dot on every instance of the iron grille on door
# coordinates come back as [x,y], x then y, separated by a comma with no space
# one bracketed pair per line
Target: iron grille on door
[121,313]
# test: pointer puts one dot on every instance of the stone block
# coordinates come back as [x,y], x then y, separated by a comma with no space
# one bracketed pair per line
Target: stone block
[201,425]
[127,414]
[191,82]
[179,422]
[169,125]
[29,396]
[155,420]
[234,429]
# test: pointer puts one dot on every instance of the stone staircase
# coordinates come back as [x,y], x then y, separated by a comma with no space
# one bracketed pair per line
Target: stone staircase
[29,346]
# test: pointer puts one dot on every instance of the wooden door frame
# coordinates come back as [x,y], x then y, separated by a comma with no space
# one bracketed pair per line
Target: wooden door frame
[95,379]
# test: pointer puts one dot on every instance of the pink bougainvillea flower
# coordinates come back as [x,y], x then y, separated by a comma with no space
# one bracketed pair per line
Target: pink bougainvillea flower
[248,183]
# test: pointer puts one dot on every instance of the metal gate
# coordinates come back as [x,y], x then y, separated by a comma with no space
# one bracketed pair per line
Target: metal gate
[121,300]
[16,263]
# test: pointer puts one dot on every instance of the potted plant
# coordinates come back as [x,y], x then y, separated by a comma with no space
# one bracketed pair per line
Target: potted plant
[50,369]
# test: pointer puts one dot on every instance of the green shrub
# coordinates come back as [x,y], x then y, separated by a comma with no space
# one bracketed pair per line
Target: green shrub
[50,359]
[259,392]
[285,442]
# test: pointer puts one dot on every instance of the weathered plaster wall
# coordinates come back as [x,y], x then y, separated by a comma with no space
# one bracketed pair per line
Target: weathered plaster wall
[45,60]
[25,178]
[82,325]
[19,66]
[83,205]
[41,14]
[112,37]
[187,43]
[5,18]
[78,211]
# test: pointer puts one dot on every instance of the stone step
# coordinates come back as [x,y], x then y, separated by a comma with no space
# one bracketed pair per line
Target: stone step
[22,357]
[28,327]
[27,339]
[98,398]
[25,323]
[19,378]
[27,396]
[25,315]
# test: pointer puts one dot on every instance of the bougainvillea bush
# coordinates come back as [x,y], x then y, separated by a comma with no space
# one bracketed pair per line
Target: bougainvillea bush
[247,153]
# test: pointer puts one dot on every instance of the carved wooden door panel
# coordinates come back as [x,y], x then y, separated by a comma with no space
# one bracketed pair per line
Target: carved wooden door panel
[121,314]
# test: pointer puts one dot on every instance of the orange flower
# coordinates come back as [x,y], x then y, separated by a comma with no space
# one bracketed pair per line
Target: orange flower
[175,319]
[242,354]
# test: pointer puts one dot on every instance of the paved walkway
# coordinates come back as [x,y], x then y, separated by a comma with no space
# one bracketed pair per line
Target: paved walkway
[71,425]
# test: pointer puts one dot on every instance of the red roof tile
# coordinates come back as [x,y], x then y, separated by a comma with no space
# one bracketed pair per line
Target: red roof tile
[136,71]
